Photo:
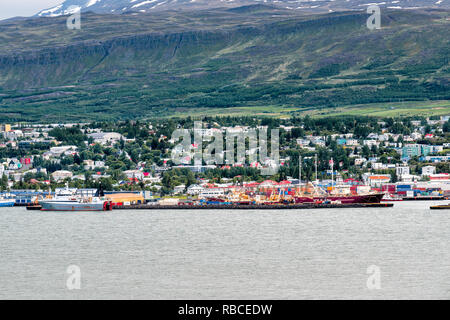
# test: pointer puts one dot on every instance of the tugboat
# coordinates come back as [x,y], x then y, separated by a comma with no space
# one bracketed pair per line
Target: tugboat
[35,206]
[96,203]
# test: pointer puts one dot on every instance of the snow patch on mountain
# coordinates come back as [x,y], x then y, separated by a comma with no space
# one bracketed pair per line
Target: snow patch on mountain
[91,3]
[120,6]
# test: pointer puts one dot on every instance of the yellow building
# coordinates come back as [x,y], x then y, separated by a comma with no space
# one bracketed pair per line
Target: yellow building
[5,127]
[125,198]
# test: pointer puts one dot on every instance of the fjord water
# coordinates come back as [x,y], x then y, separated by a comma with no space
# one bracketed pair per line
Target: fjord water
[189,254]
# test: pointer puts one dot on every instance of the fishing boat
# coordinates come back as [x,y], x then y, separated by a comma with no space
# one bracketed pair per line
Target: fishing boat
[96,203]
[86,204]
[6,202]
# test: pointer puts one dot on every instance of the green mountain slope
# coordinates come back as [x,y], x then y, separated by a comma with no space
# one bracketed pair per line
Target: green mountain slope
[127,66]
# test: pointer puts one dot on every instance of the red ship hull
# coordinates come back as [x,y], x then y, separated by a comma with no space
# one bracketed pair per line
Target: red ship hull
[369,198]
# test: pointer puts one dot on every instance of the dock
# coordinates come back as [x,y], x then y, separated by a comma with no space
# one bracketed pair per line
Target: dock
[255,207]
[430,198]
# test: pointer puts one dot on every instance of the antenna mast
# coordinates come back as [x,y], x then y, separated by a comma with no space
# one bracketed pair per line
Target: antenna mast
[317,177]
[300,171]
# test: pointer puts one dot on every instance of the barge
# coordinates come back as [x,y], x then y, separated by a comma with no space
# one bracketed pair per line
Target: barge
[441,207]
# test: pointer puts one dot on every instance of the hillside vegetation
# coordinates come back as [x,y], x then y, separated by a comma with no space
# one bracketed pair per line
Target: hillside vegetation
[174,63]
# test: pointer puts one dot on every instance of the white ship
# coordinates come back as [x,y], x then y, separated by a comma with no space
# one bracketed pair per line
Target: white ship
[72,203]
[86,204]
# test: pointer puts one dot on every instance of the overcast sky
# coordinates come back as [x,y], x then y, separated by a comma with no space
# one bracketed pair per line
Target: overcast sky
[24,8]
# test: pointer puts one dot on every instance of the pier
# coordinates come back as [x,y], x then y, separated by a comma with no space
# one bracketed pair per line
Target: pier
[424,198]
[255,206]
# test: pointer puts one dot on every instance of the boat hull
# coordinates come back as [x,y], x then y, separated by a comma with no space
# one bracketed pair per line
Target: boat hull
[369,198]
[442,207]
[7,203]
[34,207]
[73,206]
[304,200]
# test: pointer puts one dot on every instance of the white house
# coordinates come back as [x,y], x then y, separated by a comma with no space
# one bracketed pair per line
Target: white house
[212,192]
[134,174]
[80,177]
[106,137]
[61,175]
[378,180]
[179,189]
[370,143]
[195,189]
[377,166]
[151,179]
[13,134]
[14,164]
[16,176]
[57,151]
[91,164]
[360,161]
[409,178]
[352,142]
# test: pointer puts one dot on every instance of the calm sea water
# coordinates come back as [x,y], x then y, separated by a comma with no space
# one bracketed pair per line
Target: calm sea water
[299,254]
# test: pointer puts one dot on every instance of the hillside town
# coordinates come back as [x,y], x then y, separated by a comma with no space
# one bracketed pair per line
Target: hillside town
[402,156]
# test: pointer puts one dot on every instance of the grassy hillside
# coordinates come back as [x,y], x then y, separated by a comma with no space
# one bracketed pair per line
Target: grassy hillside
[269,61]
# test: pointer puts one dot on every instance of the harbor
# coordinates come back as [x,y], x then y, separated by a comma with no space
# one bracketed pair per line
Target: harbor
[268,195]
[307,196]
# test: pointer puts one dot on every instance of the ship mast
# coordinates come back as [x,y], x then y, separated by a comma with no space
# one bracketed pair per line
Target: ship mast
[332,174]
[317,177]
[300,171]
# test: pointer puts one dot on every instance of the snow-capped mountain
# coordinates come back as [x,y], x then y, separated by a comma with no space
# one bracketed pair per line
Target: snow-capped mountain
[121,6]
